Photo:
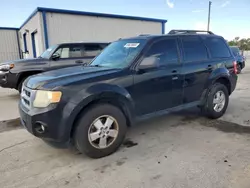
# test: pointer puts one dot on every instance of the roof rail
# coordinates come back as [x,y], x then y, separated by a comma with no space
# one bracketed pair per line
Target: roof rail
[180,31]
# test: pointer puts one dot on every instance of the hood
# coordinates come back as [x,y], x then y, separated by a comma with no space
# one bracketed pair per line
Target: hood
[60,77]
[16,62]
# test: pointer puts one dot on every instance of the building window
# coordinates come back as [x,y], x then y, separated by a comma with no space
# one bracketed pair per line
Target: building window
[25,42]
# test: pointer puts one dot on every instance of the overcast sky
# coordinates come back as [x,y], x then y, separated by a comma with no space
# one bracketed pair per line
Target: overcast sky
[229,18]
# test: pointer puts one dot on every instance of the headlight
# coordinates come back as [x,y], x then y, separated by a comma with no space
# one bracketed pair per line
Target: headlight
[6,67]
[45,98]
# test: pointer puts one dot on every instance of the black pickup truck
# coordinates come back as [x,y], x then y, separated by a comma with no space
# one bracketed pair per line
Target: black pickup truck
[12,74]
[132,79]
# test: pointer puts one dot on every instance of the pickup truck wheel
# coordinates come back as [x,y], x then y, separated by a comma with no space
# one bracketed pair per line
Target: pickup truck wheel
[217,101]
[100,130]
[19,87]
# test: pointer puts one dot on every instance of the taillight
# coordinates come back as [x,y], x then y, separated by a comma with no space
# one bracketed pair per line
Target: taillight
[235,67]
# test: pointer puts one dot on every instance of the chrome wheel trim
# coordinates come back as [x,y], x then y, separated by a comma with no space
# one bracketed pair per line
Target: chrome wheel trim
[103,132]
[219,101]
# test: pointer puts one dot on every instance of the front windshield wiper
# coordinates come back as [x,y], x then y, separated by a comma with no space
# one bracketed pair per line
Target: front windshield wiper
[92,65]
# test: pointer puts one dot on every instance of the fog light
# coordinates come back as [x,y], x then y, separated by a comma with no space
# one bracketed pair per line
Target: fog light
[40,127]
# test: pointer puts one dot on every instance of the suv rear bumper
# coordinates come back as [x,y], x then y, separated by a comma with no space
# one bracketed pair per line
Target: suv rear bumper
[233,80]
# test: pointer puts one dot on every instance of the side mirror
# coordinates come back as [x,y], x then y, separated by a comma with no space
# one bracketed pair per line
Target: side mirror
[55,56]
[149,63]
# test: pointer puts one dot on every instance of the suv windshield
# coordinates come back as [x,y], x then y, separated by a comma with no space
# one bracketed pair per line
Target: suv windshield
[119,54]
[46,54]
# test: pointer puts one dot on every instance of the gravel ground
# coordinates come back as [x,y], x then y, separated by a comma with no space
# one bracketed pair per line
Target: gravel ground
[181,150]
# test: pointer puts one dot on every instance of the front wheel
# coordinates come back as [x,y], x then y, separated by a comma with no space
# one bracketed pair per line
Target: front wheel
[217,101]
[100,130]
[20,85]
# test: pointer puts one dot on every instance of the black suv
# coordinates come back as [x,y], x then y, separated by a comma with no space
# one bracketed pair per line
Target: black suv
[239,58]
[132,79]
[12,74]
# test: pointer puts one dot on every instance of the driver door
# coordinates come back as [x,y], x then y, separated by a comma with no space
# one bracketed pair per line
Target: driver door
[67,55]
[160,88]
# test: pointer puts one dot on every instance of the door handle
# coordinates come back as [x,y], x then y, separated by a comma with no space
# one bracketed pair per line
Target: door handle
[174,76]
[209,67]
[79,61]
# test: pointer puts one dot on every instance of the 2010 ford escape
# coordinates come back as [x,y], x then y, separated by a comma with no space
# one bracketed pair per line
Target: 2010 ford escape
[132,79]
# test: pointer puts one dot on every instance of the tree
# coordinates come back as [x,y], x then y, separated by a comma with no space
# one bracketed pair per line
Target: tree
[243,44]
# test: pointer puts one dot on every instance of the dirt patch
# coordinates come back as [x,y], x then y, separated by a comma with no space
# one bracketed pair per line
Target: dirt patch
[220,125]
[121,161]
[103,168]
[10,125]
[129,143]
[228,127]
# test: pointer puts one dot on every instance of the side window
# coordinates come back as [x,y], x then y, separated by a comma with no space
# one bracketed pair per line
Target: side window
[69,52]
[92,50]
[194,49]
[165,50]
[217,47]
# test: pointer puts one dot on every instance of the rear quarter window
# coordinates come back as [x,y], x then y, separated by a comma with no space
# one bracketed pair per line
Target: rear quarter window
[217,47]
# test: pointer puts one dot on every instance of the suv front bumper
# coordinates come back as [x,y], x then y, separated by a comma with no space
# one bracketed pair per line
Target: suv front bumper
[51,118]
[8,80]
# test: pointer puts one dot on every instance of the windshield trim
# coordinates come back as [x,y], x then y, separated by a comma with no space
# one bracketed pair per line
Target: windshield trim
[54,48]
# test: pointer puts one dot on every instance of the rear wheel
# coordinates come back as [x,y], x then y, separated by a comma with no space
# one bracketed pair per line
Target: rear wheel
[217,101]
[100,130]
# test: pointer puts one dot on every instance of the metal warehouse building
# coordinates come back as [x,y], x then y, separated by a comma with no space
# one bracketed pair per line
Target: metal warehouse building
[9,44]
[46,27]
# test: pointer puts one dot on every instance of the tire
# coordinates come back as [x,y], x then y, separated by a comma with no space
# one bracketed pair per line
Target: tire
[20,84]
[209,108]
[85,126]
[239,68]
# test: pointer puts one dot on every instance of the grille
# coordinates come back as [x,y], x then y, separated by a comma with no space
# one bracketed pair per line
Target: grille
[27,96]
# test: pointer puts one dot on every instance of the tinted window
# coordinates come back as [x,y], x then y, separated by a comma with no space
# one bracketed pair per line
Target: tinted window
[235,50]
[217,47]
[119,54]
[69,52]
[165,50]
[194,49]
[92,50]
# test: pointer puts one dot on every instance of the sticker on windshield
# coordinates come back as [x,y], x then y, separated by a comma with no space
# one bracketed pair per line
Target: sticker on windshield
[132,45]
[49,49]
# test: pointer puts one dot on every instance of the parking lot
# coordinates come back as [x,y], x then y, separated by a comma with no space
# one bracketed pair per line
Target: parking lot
[178,150]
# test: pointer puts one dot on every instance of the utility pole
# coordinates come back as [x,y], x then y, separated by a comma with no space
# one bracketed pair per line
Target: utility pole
[209,11]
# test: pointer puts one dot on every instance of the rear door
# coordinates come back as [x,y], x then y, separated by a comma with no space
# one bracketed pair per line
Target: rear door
[69,55]
[196,67]
[219,52]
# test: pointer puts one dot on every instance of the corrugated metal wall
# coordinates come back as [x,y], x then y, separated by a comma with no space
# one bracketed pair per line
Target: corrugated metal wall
[35,24]
[8,45]
[75,28]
